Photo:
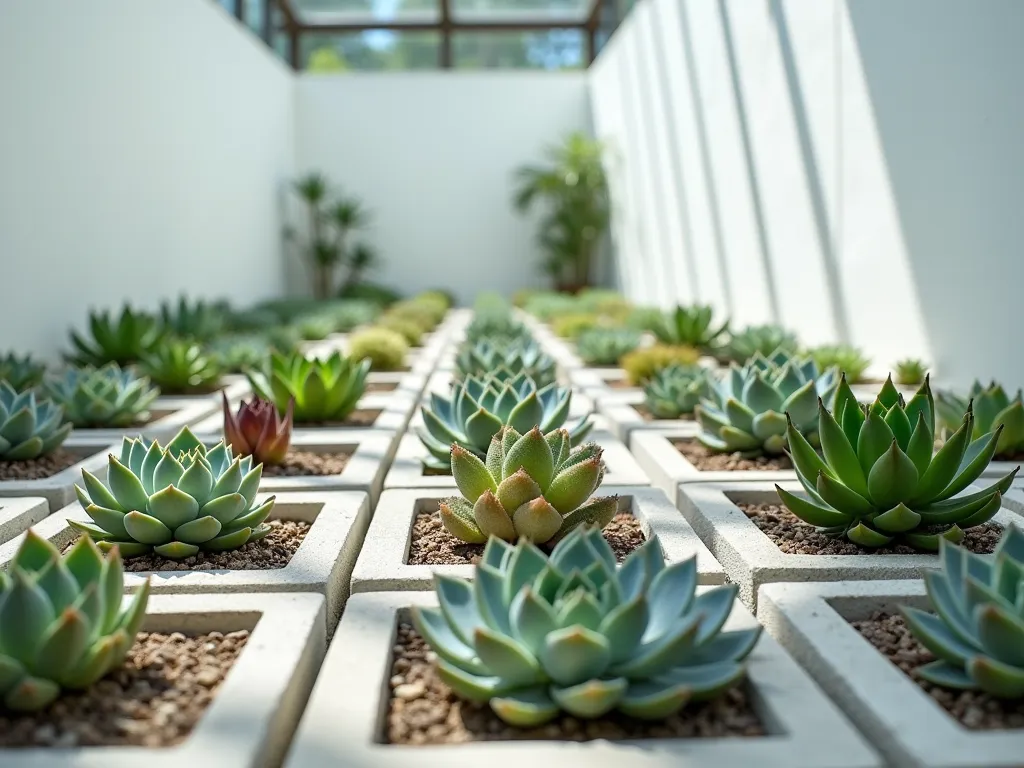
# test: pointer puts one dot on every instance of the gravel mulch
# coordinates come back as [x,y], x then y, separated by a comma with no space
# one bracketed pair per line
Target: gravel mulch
[308,464]
[40,468]
[361,417]
[707,460]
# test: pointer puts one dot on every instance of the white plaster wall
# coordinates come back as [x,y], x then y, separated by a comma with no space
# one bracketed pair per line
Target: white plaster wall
[143,146]
[433,156]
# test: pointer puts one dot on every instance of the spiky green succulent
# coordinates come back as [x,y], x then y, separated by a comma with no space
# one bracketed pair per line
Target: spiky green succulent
[238,352]
[21,373]
[978,634]
[677,390]
[879,481]
[848,359]
[478,408]
[746,412]
[532,486]
[199,320]
[690,326]
[64,621]
[506,360]
[174,501]
[30,427]
[992,408]
[324,390]
[766,339]
[606,346]
[496,324]
[182,367]
[103,397]
[911,372]
[124,339]
[534,636]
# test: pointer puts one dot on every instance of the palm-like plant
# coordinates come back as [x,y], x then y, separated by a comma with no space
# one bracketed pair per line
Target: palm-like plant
[575,189]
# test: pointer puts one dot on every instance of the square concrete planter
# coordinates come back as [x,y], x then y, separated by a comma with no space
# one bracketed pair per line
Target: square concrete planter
[233,386]
[669,469]
[904,723]
[322,564]
[1014,498]
[59,489]
[1000,468]
[624,418]
[344,724]
[751,558]
[164,424]
[251,720]
[382,565]
[400,381]
[597,383]
[17,515]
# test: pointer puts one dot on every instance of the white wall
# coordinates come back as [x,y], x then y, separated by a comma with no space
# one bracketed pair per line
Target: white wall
[143,149]
[433,155]
[849,168]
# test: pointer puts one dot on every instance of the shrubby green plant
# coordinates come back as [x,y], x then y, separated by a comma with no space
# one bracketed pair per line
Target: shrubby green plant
[676,391]
[30,427]
[21,373]
[691,327]
[641,364]
[408,329]
[181,367]
[910,371]
[200,320]
[324,390]
[847,359]
[571,326]
[606,346]
[992,408]
[124,339]
[385,349]
[102,397]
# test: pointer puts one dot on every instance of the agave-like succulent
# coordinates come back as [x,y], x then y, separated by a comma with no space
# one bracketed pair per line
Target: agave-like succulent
[21,373]
[477,409]
[691,327]
[978,633]
[606,346]
[29,427]
[992,408]
[257,431]
[181,367]
[743,344]
[529,486]
[62,624]
[506,360]
[748,410]
[911,372]
[324,390]
[103,397]
[879,481]
[123,340]
[174,501]
[676,390]
[199,320]
[848,359]
[534,636]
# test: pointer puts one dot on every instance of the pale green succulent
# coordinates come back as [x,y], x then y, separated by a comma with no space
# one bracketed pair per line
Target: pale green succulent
[766,339]
[496,324]
[978,634]
[606,346]
[677,390]
[182,367]
[848,359]
[879,481]
[21,373]
[29,427]
[198,321]
[174,501]
[62,624]
[103,397]
[324,391]
[534,635]
[992,408]
[690,327]
[478,408]
[530,486]
[505,360]
[124,339]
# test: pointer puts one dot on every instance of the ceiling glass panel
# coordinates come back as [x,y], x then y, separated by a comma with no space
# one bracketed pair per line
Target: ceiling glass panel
[554,49]
[555,11]
[361,11]
[372,50]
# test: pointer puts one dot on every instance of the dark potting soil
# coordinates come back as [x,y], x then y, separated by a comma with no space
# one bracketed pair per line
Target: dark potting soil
[40,468]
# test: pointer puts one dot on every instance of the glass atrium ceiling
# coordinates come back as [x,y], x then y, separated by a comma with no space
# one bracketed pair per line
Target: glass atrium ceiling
[421,13]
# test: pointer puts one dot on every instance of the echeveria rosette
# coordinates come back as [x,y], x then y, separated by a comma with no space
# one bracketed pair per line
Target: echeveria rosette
[29,427]
[62,624]
[257,431]
[478,408]
[505,360]
[606,346]
[690,326]
[977,635]
[754,339]
[21,373]
[677,390]
[531,486]
[993,407]
[110,396]
[124,339]
[326,390]
[880,483]
[534,635]
[174,501]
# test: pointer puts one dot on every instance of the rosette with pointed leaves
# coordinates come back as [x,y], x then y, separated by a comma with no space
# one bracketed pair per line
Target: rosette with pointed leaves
[174,501]
[606,346]
[122,340]
[742,345]
[992,408]
[690,327]
[746,412]
[103,397]
[257,431]
[978,634]
[879,481]
[534,636]
[478,408]
[62,624]
[21,373]
[324,390]
[505,360]
[675,391]
[199,320]
[181,367]
[530,486]
[911,372]
[848,359]
[29,427]
[496,325]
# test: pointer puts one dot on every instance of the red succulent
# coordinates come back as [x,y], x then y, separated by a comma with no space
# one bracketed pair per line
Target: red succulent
[257,431]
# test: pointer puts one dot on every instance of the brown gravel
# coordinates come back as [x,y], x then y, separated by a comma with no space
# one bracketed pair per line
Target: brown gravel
[361,417]
[308,464]
[890,634]
[620,384]
[37,469]
[432,545]
[795,537]
[381,386]
[646,414]
[423,710]
[707,461]
[154,700]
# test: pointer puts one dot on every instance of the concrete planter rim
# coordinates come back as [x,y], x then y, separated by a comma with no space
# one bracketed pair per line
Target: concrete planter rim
[625,419]
[59,489]
[18,514]
[162,428]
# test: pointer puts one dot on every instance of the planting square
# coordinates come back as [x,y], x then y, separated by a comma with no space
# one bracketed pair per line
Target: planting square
[17,515]
[59,488]
[628,413]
